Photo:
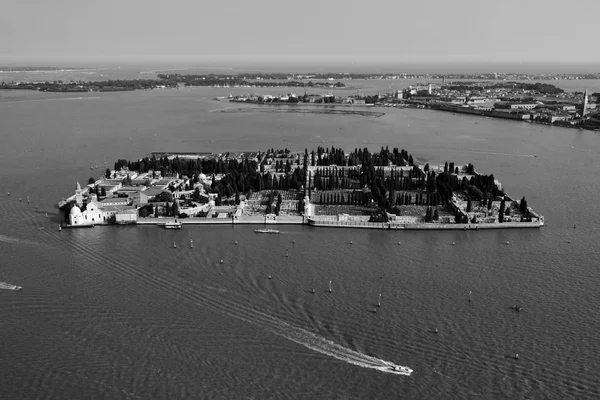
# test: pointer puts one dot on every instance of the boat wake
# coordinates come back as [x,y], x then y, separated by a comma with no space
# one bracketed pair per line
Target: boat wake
[315,342]
[8,239]
[225,304]
[327,347]
[8,286]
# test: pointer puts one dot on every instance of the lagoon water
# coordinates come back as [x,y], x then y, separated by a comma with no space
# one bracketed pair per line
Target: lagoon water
[117,313]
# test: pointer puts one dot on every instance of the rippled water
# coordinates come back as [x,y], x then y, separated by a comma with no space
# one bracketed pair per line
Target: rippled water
[116,312]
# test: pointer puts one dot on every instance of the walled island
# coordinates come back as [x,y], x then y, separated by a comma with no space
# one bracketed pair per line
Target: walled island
[324,187]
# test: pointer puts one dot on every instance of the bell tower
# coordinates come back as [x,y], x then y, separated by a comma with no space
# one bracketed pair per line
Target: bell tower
[79,195]
[585,103]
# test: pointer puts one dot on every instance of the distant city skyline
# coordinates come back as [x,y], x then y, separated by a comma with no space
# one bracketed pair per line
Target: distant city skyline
[268,31]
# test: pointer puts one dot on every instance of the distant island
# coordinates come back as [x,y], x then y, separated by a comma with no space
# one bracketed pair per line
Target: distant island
[95,86]
[326,187]
[260,80]
[38,69]
[520,101]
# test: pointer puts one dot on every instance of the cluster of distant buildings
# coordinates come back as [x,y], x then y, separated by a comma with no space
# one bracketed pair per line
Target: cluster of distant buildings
[505,103]
[493,102]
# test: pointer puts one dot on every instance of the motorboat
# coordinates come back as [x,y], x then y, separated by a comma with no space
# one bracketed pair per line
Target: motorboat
[172,225]
[266,231]
[397,369]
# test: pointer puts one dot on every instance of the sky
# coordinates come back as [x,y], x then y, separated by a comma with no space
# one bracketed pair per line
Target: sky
[225,31]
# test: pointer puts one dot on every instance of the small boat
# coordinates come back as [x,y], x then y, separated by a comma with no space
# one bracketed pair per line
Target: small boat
[174,245]
[172,225]
[266,231]
[400,370]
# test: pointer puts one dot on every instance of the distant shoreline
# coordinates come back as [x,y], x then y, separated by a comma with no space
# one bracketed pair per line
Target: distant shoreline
[315,110]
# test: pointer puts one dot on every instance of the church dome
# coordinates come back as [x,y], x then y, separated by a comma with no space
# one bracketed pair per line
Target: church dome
[202,177]
[75,211]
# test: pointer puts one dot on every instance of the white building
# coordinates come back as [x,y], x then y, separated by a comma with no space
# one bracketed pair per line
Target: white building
[92,215]
[115,201]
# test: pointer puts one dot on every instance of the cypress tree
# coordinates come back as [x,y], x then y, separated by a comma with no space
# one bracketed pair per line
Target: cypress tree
[523,205]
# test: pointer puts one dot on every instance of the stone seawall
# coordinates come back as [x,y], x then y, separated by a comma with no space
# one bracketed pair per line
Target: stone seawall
[297,220]
[423,226]
[255,219]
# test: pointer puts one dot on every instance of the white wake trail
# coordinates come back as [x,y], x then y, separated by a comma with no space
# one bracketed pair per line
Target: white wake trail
[315,342]
[8,286]
[8,239]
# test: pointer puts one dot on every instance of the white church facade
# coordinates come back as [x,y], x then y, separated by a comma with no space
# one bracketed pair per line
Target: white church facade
[90,216]
[91,212]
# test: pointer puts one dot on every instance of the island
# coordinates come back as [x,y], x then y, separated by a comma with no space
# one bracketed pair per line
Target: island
[518,101]
[326,187]
[119,85]
[521,101]
[240,80]
[40,69]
